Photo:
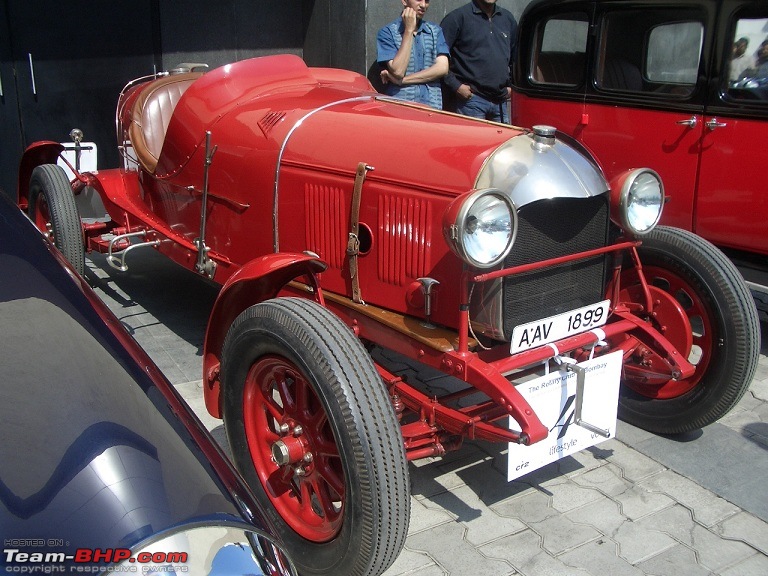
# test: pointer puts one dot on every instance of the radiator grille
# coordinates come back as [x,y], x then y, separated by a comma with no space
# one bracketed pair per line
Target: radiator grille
[548,229]
[405,225]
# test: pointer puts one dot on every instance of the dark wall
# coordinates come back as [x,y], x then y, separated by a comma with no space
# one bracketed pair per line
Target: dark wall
[227,30]
[86,51]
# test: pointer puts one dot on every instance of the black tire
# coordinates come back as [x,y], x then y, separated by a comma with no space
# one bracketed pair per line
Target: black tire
[53,210]
[290,361]
[726,333]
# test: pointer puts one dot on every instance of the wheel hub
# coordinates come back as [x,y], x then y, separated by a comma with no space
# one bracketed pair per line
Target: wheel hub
[290,450]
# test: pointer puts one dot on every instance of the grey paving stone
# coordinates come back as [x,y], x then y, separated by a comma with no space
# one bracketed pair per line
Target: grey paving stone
[581,462]
[631,435]
[756,565]
[637,502]
[428,480]
[432,476]
[431,570]
[759,437]
[447,545]
[712,551]
[749,401]
[634,465]
[523,551]
[747,528]
[426,517]
[606,479]
[759,387]
[603,514]
[762,412]
[676,561]
[560,533]
[707,508]
[529,507]
[568,495]
[411,561]
[639,542]
[599,558]
[483,525]
[516,549]
[489,483]
[720,460]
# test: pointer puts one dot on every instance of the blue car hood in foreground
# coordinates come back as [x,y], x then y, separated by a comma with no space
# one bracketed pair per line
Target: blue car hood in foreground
[97,450]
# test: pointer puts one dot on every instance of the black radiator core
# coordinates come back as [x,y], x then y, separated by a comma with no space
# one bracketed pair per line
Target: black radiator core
[548,229]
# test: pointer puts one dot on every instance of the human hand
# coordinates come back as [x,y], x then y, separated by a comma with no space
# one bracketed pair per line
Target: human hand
[409,20]
[464,91]
[386,78]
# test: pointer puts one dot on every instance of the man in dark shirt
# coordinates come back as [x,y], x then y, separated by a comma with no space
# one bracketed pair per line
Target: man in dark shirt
[482,38]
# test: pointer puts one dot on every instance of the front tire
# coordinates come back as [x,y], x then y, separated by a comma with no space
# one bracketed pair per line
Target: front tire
[713,323]
[53,209]
[313,431]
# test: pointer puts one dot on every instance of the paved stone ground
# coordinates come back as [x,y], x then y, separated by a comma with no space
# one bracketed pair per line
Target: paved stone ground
[638,504]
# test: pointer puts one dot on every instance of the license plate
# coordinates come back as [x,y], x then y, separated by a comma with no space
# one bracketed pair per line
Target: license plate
[539,332]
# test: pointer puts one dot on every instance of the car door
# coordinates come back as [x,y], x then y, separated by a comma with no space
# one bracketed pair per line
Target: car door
[648,93]
[732,196]
[551,69]
[636,95]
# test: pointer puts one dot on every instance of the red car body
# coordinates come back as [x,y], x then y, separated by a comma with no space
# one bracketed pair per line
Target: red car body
[618,93]
[358,239]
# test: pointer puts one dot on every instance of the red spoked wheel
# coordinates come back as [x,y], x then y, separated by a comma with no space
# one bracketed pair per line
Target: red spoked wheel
[293,449]
[53,209]
[703,307]
[313,431]
[682,316]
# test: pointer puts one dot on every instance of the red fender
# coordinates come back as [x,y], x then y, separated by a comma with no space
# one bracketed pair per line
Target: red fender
[43,152]
[257,281]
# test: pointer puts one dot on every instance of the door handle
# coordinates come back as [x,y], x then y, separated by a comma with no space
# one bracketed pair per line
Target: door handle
[32,74]
[690,122]
[712,123]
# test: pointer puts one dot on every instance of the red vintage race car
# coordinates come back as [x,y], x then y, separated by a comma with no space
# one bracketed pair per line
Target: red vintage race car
[362,243]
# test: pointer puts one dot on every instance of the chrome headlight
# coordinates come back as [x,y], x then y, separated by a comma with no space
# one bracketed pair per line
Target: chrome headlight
[641,200]
[481,227]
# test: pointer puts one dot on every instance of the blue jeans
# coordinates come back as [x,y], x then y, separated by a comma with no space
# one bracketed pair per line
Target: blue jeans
[479,107]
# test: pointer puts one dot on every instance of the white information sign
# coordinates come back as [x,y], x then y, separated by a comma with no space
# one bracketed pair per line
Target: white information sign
[553,398]
[88,154]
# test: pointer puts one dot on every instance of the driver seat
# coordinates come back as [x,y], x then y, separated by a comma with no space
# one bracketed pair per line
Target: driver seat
[151,113]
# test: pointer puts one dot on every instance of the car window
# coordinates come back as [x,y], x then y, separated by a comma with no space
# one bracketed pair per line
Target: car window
[653,52]
[561,44]
[747,59]
[674,51]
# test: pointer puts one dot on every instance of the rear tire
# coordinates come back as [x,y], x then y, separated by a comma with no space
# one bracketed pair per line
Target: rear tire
[53,210]
[719,322]
[313,431]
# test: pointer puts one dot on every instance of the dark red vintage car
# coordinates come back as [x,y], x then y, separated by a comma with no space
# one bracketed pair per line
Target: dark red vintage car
[395,279]
[680,86]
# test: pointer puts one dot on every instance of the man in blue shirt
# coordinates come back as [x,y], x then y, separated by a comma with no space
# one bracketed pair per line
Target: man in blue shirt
[482,38]
[413,56]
